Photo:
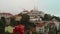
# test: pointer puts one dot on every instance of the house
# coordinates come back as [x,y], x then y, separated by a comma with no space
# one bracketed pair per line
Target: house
[17,17]
[42,27]
[56,23]
[52,28]
[7,17]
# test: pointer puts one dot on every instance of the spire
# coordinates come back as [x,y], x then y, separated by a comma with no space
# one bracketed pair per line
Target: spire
[35,8]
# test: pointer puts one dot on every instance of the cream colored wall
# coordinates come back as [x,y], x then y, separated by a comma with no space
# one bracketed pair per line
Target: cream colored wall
[18,18]
[38,29]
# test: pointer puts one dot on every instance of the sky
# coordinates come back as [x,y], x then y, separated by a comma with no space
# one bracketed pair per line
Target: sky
[16,6]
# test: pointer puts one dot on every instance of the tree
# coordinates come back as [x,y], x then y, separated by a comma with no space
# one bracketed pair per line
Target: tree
[57,18]
[13,22]
[3,20]
[47,17]
[25,18]
[2,24]
[59,27]
[26,21]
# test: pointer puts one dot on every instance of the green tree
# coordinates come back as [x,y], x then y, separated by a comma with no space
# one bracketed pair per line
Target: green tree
[47,17]
[13,22]
[25,20]
[59,28]
[57,18]
[2,24]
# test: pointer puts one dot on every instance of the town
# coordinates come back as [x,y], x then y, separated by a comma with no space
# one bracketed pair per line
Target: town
[29,16]
[35,22]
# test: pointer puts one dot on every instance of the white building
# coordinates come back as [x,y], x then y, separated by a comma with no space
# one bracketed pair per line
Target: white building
[34,15]
[42,28]
[56,23]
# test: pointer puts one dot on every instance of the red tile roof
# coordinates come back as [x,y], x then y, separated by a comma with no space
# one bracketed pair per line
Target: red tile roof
[45,22]
[40,24]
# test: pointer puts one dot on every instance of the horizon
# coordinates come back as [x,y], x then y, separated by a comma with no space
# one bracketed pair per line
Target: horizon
[17,6]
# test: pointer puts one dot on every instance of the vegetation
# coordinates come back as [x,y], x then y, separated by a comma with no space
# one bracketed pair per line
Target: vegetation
[13,22]
[47,17]
[58,32]
[2,25]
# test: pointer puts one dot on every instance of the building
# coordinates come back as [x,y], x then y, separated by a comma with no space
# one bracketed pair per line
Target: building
[42,27]
[17,17]
[7,17]
[56,23]
[34,14]
[52,28]
[25,12]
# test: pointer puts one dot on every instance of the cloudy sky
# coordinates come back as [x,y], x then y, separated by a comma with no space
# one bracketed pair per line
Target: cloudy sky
[16,6]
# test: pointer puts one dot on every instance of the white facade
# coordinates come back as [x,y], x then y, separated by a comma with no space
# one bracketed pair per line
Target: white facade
[36,15]
[57,24]
[40,29]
